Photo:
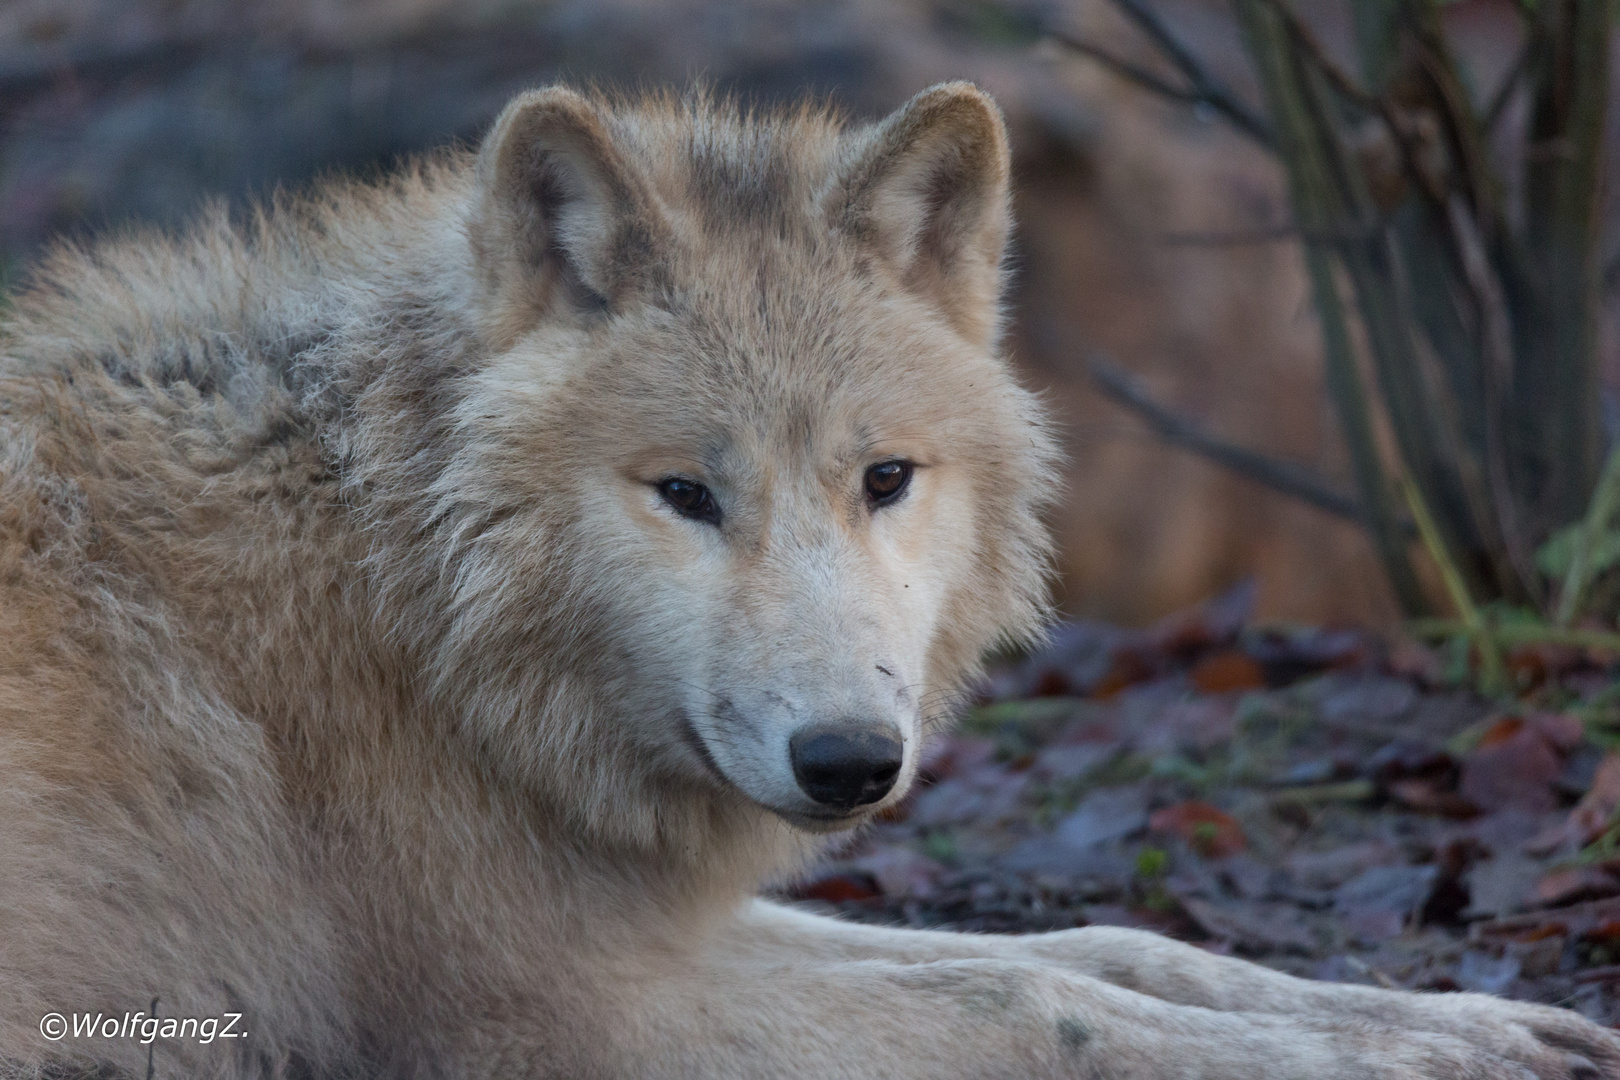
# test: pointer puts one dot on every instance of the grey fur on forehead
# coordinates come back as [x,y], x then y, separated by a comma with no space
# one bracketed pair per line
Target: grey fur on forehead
[745,166]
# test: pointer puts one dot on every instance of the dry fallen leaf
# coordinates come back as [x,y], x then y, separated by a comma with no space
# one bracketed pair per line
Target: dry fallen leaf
[1431,796]
[837,889]
[1207,830]
[1515,768]
[1227,671]
[1576,883]
[1591,815]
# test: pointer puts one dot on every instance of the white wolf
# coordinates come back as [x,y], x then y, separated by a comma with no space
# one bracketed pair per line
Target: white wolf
[430,609]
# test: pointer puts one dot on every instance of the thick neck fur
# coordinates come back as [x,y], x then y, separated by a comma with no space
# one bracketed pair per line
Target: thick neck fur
[296,409]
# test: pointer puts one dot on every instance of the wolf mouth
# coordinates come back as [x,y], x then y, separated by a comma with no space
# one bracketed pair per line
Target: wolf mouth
[821,823]
[695,743]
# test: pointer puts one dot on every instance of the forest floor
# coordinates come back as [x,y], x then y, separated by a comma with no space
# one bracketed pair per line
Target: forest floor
[1321,801]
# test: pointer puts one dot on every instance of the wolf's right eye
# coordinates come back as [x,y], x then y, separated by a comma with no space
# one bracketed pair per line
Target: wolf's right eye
[690,499]
[886,482]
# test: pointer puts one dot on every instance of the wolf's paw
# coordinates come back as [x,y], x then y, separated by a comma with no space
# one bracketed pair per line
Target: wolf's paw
[1372,1052]
[1553,1043]
[1209,1045]
[1443,1057]
[1247,1046]
[1456,1037]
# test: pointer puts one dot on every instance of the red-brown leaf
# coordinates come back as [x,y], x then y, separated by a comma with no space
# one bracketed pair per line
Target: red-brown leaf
[1591,815]
[1227,671]
[1515,769]
[838,888]
[1429,796]
[1208,830]
[1576,883]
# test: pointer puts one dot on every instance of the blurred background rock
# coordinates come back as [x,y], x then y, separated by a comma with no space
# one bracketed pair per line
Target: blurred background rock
[120,111]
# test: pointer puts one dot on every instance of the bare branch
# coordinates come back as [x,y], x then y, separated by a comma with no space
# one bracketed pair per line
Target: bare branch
[1348,88]
[1233,237]
[1496,349]
[1203,88]
[1135,73]
[1283,476]
[1210,89]
[1268,235]
[1504,93]
[1340,79]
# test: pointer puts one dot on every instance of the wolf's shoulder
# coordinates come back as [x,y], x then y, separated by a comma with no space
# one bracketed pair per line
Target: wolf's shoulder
[233,305]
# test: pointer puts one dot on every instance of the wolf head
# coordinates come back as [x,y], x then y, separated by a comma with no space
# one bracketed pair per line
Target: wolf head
[753,488]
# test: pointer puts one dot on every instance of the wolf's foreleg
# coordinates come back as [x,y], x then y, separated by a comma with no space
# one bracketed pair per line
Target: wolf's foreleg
[763,1014]
[1538,1036]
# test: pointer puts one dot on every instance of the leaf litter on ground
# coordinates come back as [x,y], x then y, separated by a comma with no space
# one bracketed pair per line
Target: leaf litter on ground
[1315,799]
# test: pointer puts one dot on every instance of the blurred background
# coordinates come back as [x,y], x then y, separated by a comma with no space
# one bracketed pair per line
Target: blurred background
[1151,231]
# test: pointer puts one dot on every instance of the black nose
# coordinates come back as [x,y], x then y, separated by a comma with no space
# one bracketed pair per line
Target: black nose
[846,766]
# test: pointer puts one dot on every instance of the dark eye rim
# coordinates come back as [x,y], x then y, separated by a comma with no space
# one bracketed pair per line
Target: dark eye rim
[876,499]
[701,507]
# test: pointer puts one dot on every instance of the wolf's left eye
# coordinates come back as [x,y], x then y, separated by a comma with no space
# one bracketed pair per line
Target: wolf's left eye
[887,481]
[690,499]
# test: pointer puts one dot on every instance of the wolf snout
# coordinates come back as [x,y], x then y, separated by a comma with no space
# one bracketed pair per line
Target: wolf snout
[846,765]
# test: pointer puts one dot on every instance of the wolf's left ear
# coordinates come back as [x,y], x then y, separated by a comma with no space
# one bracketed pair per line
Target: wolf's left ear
[928,189]
[564,219]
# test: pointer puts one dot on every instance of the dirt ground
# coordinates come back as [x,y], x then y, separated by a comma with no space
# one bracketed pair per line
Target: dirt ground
[1315,800]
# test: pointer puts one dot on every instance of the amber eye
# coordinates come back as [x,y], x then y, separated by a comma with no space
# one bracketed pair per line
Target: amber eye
[690,499]
[887,481]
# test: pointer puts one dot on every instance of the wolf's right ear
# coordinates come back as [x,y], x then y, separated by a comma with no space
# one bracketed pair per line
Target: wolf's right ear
[927,190]
[562,214]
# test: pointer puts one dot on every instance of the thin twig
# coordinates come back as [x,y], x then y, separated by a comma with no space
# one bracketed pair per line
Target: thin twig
[1271,234]
[1473,622]
[1233,237]
[1469,140]
[1360,965]
[1605,500]
[1604,974]
[1449,574]
[1518,634]
[1347,87]
[1496,349]
[1504,93]
[1132,72]
[1209,89]
[1425,428]
[1341,80]
[1557,384]
[1283,476]
[1319,193]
